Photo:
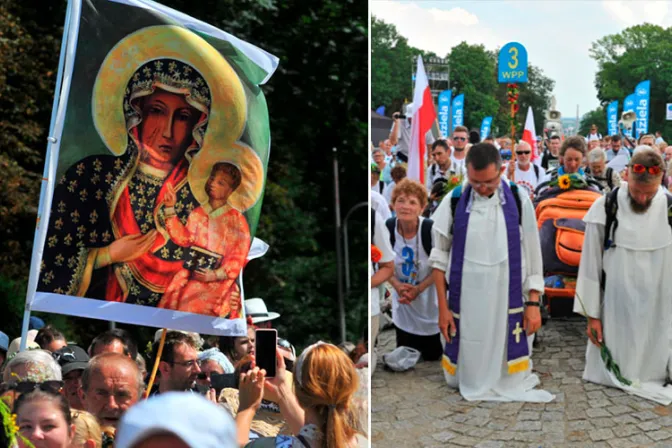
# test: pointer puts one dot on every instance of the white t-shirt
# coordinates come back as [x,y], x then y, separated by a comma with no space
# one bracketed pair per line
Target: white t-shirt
[379,204]
[387,192]
[381,239]
[458,165]
[421,316]
[528,179]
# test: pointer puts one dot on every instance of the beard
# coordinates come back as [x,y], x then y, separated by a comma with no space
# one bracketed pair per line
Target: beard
[637,207]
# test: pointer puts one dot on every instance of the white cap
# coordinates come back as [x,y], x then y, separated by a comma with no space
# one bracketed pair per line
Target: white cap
[189,416]
[256,309]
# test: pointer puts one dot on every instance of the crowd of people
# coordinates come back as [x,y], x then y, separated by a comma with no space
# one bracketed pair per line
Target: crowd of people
[470,230]
[207,391]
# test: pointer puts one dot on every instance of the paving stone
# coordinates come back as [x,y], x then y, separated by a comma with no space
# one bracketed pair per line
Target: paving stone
[619,409]
[490,444]
[580,425]
[649,426]
[529,415]
[626,430]
[443,436]
[600,434]
[645,415]
[640,439]
[597,412]
[527,426]
[659,435]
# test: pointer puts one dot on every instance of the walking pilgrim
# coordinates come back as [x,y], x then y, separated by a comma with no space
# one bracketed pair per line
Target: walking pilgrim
[623,286]
[491,258]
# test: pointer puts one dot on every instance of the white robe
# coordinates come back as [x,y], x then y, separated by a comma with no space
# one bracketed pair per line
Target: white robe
[482,371]
[636,307]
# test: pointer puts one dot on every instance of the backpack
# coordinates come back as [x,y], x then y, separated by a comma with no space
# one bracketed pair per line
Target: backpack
[536,170]
[611,224]
[381,186]
[457,194]
[373,226]
[425,233]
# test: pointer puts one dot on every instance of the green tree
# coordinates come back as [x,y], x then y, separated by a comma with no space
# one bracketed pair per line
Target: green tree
[472,73]
[636,54]
[598,117]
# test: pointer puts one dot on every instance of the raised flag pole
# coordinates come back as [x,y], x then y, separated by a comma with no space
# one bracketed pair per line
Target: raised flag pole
[65,67]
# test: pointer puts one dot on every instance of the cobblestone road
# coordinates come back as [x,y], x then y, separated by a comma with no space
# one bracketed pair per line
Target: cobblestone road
[417,409]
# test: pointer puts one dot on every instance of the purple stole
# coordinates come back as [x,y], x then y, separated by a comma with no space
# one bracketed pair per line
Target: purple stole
[517,350]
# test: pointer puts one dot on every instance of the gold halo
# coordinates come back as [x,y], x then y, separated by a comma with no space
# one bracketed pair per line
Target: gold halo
[228,109]
[238,154]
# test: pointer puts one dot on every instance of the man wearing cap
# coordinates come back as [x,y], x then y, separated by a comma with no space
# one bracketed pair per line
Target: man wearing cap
[73,360]
[4,346]
[176,420]
[261,317]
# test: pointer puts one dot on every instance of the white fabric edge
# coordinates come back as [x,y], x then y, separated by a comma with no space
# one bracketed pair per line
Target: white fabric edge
[137,315]
[265,60]
[258,249]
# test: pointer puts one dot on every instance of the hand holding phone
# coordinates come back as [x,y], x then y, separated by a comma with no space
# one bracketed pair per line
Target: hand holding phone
[265,349]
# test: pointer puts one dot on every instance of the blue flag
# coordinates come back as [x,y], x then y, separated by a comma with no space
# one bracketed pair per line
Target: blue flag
[381,110]
[458,110]
[629,105]
[485,127]
[612,118]
[444,110]
[642,101]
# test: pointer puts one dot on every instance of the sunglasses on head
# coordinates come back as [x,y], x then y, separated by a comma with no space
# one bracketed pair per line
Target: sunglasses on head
[24,387]
[638,168]
[66,354]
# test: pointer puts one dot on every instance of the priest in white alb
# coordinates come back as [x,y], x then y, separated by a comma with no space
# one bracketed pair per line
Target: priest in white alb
[624,287]
[487,250]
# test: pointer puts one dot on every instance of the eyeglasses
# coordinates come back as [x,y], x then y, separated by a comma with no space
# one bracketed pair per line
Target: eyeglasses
[490,184]
[520,153]
[462,139]
[638,168]
[190,364]
[24,387]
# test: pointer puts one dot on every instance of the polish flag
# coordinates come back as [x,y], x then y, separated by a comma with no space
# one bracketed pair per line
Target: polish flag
[424,116]
[530,136]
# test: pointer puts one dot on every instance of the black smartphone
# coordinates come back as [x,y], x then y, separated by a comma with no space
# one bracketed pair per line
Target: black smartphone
[265,343]
[223,381]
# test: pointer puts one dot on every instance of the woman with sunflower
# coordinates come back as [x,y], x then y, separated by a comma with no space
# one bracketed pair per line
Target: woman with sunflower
[570,173]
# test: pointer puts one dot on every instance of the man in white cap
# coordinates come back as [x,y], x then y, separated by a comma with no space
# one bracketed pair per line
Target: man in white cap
[261,317]
[176,420]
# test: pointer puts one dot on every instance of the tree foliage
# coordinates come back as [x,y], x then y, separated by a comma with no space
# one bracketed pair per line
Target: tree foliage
[473,71]
[316,101]
[597,116]
[636,54]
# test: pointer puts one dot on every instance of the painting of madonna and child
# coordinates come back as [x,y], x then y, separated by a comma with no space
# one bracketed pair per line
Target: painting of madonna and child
[159,212]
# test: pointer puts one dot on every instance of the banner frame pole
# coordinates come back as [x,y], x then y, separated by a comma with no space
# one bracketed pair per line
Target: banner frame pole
[54,108]
[64,80]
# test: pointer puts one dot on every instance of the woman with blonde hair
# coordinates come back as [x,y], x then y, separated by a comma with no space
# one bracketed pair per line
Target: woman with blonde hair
[320,410]
[88,433]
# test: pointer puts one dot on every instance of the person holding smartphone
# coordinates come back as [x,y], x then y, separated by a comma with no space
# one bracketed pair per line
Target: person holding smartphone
[319,412]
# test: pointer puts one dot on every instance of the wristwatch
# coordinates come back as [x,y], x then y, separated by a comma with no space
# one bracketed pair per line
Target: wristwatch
[530,303]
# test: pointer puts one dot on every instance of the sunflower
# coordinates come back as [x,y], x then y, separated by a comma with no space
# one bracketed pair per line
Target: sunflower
[564,182]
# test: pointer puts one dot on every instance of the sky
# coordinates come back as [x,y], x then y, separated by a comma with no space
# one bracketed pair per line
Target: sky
[557,34]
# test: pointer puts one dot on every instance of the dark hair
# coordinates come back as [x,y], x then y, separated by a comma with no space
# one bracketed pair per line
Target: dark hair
[39,395]
[47,335]
[482,155]
[474,136]
[230,169]
[555,137]
[616,138]
[123,336]
[441,143]
[173,339]
[574,142]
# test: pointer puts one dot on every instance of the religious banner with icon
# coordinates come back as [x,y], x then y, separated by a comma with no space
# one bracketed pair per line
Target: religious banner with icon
[158,154]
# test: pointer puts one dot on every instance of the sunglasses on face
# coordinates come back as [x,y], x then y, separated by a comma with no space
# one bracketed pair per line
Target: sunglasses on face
[460,139]
[638,168]
[520,153]
[24,387]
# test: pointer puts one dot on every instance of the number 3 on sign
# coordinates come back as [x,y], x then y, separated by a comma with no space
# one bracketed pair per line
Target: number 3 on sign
[513,51]
[512,63]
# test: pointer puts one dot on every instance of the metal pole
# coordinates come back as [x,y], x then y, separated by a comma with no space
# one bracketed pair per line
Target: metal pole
[345,247]
[339,249]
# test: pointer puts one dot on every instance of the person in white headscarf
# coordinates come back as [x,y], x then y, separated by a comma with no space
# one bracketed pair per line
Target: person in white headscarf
[176,419]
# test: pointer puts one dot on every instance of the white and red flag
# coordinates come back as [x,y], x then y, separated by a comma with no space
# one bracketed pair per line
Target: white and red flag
[424,116]
[530,136]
